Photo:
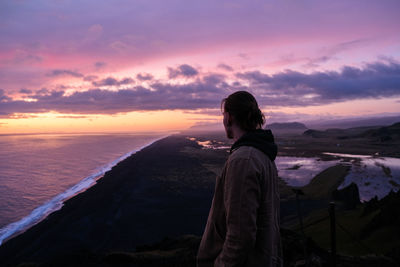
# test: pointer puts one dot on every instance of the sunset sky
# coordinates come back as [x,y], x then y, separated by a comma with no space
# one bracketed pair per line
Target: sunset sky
[149,65]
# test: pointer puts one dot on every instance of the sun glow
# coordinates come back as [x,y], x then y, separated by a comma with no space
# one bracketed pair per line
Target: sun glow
[129,122]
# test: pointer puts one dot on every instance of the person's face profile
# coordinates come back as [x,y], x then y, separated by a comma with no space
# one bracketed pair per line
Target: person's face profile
[227,124]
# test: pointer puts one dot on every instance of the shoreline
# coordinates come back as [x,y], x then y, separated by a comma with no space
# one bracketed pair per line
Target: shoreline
[41,212]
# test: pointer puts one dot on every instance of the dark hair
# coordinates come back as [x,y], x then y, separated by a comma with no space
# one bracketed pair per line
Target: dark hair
[244,108]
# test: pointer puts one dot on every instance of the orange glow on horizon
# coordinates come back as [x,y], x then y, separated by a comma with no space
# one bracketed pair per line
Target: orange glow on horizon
[149,121]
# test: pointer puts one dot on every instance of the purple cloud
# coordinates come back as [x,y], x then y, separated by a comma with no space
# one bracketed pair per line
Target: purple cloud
[3,97]
[110,81]
[215,78]
[42,91]
[184,70]
[100,64]
[225,67]
[24,57]
[293,88]
[144,77]
[90,78]
[288,88]
[60,72]
[25,91]
[162,96]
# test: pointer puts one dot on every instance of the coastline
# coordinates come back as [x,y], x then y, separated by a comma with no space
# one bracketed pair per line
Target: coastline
[41,212]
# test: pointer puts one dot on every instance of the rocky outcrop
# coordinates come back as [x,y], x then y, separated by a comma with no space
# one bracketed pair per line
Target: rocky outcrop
[386,214]
[348,196]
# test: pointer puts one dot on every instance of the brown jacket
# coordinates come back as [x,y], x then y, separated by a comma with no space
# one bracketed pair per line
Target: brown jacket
[243,224]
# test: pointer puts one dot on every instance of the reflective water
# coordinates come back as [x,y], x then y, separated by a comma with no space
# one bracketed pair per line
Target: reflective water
[298,171]
[374,176]
[38,172]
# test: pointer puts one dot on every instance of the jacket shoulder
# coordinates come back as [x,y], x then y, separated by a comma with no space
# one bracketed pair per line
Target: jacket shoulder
[252,155]
[246,152]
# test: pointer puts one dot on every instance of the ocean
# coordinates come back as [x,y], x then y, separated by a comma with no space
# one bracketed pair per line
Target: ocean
[40,171]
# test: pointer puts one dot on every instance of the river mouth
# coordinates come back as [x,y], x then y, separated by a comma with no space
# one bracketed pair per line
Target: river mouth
[374,176]
[299,171]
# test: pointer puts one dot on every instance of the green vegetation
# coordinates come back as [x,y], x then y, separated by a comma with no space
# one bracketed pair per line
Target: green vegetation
[324,183]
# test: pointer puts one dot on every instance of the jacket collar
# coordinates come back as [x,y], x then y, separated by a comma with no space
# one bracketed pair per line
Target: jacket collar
[261,139]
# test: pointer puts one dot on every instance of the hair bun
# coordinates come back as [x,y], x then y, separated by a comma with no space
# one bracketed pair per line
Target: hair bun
[244,108]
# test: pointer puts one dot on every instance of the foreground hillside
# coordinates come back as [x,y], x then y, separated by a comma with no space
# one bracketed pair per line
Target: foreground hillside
[150,210]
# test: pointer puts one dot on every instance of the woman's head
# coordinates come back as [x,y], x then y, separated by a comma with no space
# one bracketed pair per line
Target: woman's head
[243,107]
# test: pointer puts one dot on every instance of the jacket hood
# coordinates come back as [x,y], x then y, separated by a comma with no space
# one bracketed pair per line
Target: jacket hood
[261,139]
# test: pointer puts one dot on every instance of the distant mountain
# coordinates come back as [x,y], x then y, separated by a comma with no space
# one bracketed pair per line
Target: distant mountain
[275,127]
[207,127]
[353,122]
[287,127]
[339,133]
[349,126]
[382,134]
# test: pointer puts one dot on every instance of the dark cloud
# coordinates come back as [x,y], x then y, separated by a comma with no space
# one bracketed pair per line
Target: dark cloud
[42,91]
[292,88]
[184,70]
[348,45]
[110,81]
[126,81]
[144,77]
[215,79]
[3,96]
[24,57]
[161,96]
[225,67]
[90,78]
[25,91]
[315,62]
[288,88]
[106,82]
[60,72]
[51,96]
[244,56]
[100,64]
[330,53]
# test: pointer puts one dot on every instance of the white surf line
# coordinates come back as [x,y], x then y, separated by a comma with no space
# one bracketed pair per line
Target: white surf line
[347,155]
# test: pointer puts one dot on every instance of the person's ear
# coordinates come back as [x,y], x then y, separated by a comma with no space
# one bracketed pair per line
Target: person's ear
[230,119]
